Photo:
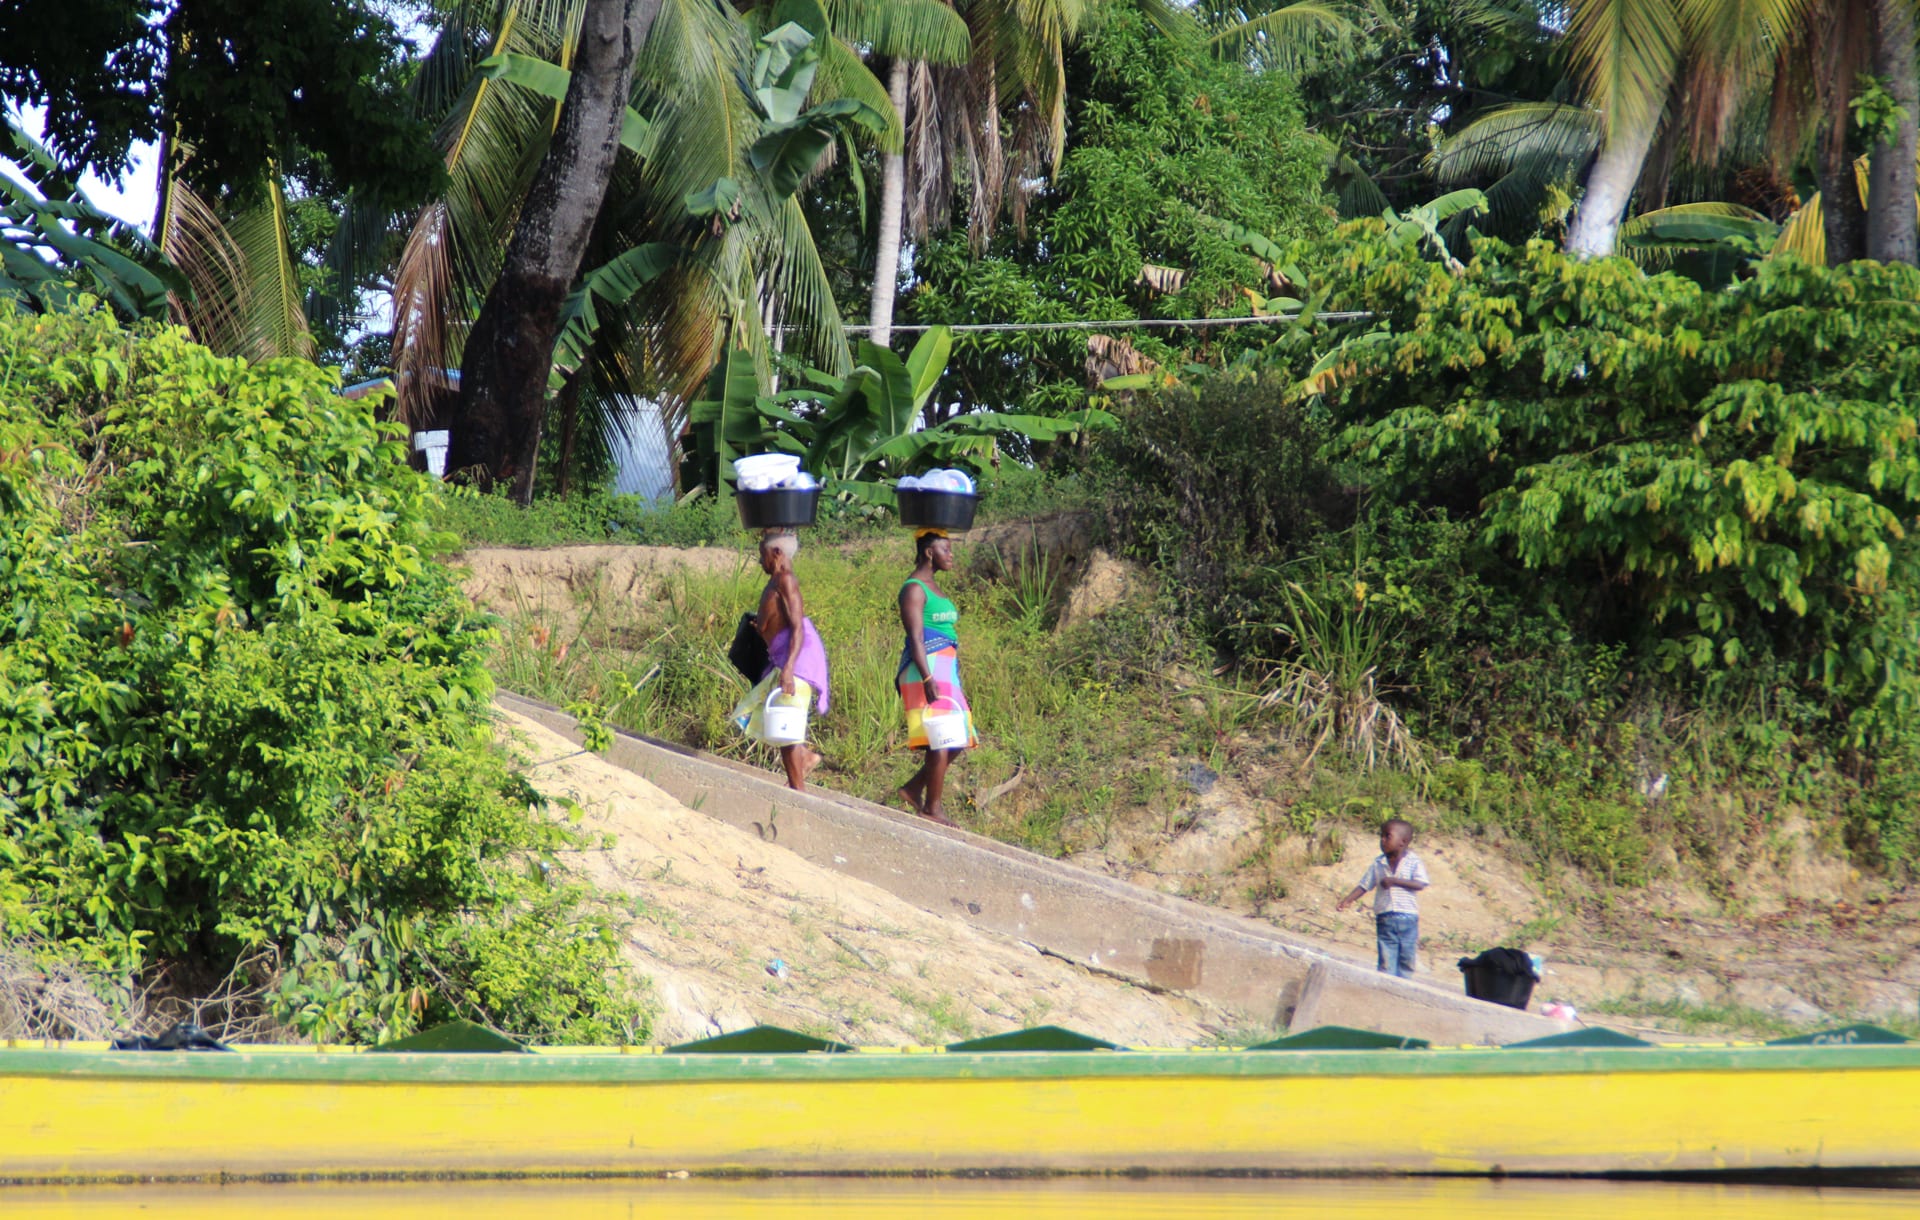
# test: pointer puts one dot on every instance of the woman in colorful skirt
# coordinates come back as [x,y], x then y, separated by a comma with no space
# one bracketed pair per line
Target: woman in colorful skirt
[929,677]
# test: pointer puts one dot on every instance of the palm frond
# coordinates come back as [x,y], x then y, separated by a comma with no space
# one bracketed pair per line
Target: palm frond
[425,342]
[1625,54]
[1523,134]
[246,295]
[805,294]
[925,30]
[1289,38]
[1805,233]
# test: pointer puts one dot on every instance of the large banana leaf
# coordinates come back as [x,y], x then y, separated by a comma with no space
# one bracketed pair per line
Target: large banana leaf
[1696,224]
[726,422]
[55,245]
[550,81]
[613,283]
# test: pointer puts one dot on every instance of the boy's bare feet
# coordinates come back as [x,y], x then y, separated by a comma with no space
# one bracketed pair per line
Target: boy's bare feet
[934,815]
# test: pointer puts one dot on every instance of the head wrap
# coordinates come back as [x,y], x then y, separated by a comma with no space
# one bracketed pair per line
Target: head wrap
[934,531]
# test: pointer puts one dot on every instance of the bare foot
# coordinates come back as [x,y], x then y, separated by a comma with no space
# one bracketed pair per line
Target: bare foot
[911,796]
[808,762]
[934,815]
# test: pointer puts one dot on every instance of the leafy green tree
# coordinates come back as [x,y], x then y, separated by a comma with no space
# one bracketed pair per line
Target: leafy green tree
[243,711]
[315,84]
[1173,148]
[1732,471]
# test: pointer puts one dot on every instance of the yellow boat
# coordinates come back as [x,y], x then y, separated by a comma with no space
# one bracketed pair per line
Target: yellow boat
[1079,1198]
[1299,1106]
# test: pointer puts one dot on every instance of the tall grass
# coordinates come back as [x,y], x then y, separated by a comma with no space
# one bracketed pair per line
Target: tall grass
[657,663]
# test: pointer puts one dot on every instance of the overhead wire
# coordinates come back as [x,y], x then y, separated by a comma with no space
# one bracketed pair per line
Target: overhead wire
[1331,315]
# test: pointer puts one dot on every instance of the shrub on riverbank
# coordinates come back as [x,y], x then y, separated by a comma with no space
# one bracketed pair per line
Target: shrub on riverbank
[243,715]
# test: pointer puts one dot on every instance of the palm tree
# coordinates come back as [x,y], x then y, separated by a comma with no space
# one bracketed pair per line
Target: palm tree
[1677,75]
[1890,223]
[920,34]
[691,244]
[509,354]
[1013,74]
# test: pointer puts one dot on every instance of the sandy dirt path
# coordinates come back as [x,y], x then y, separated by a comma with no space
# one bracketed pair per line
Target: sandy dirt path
[714,908]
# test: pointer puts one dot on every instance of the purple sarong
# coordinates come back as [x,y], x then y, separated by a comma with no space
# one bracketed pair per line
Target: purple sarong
[811,665]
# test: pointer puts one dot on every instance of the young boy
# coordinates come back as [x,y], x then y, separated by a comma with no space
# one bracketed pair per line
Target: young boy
[1396,875]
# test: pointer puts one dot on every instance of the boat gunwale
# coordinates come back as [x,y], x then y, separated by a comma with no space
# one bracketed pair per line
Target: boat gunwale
[596,1067]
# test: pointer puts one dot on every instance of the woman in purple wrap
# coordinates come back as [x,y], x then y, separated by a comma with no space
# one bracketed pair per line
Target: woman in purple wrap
[799,669]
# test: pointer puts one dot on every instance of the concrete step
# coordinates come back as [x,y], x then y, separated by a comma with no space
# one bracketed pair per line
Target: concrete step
[1147,938]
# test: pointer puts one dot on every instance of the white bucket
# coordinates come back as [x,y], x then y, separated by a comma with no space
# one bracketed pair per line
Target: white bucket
[434,445]
[946,731]
[782,726]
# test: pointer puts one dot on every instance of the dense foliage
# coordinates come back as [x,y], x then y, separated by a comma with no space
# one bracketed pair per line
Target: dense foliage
[1167,143]
[1731,470]
[243,710]
[313,84]
[1593,526]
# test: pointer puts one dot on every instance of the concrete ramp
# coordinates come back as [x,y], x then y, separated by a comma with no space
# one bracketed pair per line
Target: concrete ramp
[1150,939]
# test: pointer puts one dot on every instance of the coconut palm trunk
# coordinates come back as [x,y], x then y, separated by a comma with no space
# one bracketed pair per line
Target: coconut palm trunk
[1890,182]
[1841,215]
[893,193]
[1596,224]
[503,375]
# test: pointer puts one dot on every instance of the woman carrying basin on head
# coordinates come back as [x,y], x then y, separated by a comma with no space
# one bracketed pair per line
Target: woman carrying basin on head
[929,676]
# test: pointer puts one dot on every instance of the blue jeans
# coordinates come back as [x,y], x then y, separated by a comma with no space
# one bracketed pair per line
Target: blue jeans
[1399,936]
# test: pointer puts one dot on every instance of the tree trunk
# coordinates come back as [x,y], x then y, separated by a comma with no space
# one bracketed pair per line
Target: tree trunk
[1596,224]
[568,401]
[893,192]
[1890,181]
[503,376]
[1841,215]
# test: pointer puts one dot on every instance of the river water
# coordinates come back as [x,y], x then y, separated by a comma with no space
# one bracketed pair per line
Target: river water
[942,1199]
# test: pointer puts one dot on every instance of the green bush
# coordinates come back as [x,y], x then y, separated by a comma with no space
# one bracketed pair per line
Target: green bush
[1210,484]
[241,709]
[1723,477]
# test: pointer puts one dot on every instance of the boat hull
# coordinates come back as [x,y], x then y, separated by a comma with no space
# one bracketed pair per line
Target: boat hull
[67,1115]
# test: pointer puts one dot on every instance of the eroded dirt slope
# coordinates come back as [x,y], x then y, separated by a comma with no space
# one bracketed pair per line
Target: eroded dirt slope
[715,908]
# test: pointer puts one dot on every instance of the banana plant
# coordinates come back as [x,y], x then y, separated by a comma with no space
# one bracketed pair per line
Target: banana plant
[792,136]
[858,432]
[56,246]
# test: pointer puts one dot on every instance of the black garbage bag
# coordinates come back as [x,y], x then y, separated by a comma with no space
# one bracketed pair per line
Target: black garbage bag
[748,651]
[1502,976]
[186,1036]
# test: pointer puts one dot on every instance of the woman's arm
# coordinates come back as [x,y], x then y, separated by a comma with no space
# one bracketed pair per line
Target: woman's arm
[913,605]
